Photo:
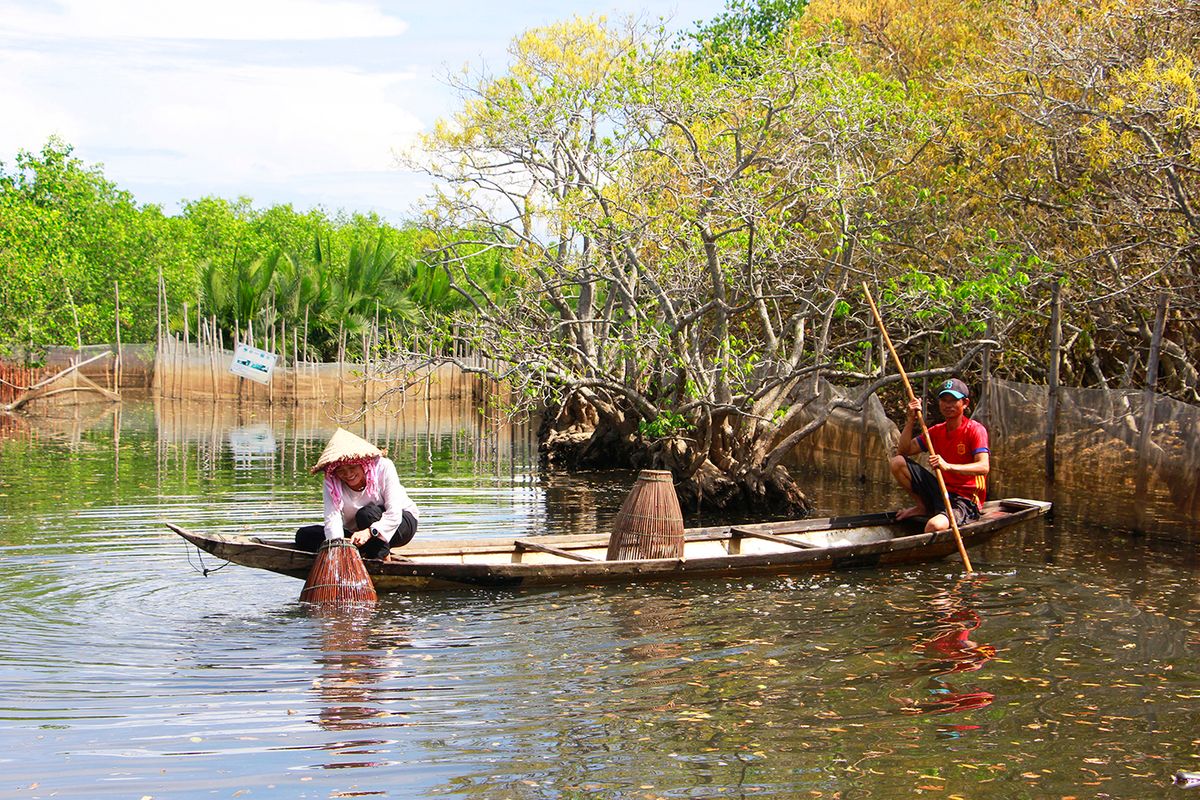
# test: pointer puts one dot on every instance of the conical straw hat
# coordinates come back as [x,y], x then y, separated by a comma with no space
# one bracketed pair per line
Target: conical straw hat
[344,446]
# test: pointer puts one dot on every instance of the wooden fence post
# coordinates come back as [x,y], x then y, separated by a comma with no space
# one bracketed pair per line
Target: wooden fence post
[1145,437]
[986,366]
[862,428]
[117,317]
[1055,358]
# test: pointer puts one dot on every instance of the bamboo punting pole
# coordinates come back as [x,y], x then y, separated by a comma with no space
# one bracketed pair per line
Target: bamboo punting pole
[962,550]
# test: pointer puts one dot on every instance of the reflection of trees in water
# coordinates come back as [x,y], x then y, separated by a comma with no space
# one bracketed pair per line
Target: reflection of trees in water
[582,503]
[649,627]
[827,684]
[724,690]
[59,421]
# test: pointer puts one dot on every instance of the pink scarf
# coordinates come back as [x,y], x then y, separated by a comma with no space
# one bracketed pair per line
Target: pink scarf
[371,468]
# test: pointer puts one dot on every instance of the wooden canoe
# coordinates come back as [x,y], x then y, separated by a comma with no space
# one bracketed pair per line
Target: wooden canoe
[865,540]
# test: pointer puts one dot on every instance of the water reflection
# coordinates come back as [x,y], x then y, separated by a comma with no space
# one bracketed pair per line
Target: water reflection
[420,433]
[62,424]
[353,662]
[950,651]
[650,627]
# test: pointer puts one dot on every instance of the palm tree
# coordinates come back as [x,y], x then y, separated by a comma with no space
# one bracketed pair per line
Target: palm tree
[238,292]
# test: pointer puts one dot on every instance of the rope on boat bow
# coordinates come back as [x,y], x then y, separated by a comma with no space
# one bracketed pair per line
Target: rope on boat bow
[203,570]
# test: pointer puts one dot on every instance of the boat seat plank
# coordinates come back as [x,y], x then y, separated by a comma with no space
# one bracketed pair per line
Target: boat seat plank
[541,548]
[770,537]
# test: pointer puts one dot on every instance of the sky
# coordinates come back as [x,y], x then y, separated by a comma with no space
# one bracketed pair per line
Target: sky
[284,101]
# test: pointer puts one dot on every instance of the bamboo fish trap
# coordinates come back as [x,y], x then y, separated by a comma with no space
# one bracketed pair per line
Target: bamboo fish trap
[338,577]
[650,522]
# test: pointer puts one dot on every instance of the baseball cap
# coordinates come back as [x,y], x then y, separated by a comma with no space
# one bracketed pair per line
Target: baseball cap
[954,387]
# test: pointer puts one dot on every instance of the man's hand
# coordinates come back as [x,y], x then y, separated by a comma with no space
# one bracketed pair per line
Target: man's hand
[914,408]
[936,462]
[359,538]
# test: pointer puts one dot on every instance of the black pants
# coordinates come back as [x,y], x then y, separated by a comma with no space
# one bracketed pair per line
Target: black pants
[925,486]
[311,537]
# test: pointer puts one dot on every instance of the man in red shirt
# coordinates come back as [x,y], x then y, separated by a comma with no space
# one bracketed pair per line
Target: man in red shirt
[960,449]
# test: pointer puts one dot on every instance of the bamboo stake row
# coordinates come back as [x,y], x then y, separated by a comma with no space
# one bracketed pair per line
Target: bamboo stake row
[198,368]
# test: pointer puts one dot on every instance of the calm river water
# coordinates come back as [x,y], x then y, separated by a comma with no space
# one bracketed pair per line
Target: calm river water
[1066,669]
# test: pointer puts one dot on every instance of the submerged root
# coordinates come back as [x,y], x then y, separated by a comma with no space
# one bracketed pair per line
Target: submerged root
[709,488]
[774,493]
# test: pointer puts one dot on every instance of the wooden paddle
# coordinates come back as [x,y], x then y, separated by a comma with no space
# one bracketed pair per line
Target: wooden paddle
[962,550]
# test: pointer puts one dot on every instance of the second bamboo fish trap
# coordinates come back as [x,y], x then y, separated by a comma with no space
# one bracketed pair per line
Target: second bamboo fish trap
[650,523]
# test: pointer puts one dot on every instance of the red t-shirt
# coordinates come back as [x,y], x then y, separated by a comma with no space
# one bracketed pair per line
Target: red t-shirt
[960,446]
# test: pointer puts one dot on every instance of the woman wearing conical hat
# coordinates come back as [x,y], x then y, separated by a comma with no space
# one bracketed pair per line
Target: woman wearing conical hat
[364,500]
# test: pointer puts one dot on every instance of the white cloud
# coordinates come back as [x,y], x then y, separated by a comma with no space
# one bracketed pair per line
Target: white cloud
[266,122]
[193,127]
[300,101]
[234,20]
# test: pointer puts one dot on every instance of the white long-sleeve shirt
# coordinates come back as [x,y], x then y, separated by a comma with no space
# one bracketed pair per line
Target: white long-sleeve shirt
[389,494]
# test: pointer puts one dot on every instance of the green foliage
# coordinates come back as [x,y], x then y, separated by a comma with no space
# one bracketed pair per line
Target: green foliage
[745,26]
[67,235]
[961,304]
[665,425]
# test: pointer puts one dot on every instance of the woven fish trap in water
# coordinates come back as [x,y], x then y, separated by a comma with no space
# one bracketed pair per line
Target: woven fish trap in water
[650,523]
[338,577]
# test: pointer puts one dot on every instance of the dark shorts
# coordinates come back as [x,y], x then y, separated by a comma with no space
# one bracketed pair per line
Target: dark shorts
[925,486]
[311,537]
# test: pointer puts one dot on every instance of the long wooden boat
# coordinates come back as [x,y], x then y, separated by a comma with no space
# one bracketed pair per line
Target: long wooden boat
[865,540]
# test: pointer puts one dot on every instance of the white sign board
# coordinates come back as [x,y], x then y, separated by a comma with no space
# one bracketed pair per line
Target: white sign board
[250,362]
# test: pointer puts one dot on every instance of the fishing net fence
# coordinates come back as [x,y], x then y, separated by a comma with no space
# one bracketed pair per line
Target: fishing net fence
[1142,448]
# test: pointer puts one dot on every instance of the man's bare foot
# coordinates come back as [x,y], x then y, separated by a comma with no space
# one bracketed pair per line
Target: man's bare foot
[908,513]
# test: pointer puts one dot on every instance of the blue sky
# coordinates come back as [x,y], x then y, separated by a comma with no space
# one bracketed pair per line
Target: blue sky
[300,101]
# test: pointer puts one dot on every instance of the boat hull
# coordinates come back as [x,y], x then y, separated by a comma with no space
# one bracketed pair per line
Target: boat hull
[833,543]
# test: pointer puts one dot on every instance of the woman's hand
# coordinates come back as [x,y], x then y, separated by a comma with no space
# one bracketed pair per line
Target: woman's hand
[359,538]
